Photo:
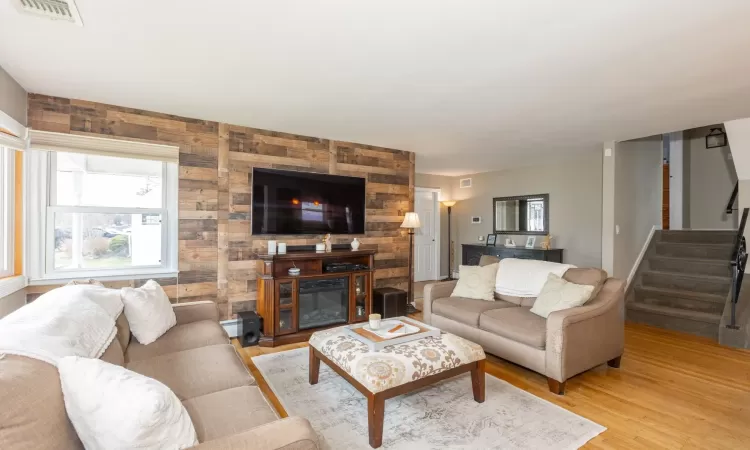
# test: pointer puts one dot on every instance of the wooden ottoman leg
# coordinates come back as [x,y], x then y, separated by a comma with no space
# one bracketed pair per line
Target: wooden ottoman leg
[314,368]
[375,412]
[615,362]
[477,381]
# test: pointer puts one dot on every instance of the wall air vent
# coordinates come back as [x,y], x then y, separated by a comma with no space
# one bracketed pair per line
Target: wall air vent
[464,183]
[64,10]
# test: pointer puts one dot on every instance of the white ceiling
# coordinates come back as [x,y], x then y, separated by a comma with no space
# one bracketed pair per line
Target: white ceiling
[470,86]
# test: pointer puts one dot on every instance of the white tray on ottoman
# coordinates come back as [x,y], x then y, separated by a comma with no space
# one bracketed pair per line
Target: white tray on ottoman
[376,342]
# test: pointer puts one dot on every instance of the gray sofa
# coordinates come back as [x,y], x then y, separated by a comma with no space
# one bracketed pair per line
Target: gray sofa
[565,344]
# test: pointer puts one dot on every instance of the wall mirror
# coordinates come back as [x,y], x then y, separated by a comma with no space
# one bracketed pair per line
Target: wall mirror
[523,214]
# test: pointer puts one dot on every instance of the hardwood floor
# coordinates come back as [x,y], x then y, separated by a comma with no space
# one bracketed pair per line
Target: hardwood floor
[672,391]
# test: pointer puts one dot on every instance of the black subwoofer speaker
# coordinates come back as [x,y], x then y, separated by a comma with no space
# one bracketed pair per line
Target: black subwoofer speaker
[250,326]
[389,302]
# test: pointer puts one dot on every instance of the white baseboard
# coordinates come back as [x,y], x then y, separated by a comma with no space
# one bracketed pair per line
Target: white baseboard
[232,327]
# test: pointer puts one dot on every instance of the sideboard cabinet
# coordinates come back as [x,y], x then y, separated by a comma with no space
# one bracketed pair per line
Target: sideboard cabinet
[470,253]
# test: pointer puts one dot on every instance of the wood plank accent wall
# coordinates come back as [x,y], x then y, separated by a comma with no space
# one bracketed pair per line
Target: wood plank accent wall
[216,250]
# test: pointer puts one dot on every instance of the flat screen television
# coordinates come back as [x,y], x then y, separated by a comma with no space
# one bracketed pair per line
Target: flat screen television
[288,202]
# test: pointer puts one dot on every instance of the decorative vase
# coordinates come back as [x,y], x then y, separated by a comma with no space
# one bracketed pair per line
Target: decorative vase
[355,244]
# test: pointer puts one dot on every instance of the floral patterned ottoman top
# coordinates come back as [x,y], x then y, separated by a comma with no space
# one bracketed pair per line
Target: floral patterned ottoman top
[397,364]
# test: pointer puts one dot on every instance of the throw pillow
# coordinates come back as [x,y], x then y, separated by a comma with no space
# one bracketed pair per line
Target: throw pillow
[476,282]
[114,408]
[558,294]
[148,311]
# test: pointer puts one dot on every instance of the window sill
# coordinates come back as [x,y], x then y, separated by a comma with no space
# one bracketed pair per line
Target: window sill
[142,275]
[11,285]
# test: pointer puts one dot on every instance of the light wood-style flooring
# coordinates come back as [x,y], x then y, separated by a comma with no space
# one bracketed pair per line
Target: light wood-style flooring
[672,391]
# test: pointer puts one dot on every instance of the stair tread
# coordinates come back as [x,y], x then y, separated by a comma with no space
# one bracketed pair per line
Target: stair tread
[722,233]
[690,275]
[690,259]
[676,312]
[715,298]
[692,231]
[696,244]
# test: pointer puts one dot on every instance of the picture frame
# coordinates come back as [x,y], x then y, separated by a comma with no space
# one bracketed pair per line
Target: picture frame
[491,240]
[530,241]
[510,242]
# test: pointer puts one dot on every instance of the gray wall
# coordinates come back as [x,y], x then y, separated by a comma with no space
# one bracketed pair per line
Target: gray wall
[575,194]
[12,302]
[638,192]
[711,178]
[13,101]
[444,184]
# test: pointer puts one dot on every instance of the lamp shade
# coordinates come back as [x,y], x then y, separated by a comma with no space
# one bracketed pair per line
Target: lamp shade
[448,203]
[411,221]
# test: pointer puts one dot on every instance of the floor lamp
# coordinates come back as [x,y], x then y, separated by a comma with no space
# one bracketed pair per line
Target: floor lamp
[411,222]
[449,204]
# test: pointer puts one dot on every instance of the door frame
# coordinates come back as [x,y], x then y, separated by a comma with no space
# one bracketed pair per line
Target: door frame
[676,181]
[436,221]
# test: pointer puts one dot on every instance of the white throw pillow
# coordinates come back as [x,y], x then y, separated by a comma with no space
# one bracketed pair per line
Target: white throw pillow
[114,408]
[148,311]
[476,282]
[558,294]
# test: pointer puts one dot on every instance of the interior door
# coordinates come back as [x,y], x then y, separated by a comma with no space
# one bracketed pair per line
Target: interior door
[425,237]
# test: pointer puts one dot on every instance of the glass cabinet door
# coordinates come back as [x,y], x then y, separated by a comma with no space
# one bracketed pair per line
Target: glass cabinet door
[361,295]
[287,295]
[285,321]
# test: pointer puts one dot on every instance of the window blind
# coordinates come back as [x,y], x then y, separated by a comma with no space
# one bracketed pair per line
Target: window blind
[72,143]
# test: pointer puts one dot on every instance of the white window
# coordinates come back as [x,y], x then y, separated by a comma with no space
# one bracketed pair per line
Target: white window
[7,208]
[103,216]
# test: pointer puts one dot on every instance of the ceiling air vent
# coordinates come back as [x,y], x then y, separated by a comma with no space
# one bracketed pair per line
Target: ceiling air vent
[464,183]
[65,10]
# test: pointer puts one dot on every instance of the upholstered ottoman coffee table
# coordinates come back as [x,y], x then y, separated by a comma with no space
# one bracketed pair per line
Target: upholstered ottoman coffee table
[395,370]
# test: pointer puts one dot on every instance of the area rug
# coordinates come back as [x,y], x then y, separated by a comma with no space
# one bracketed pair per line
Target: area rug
[440,416]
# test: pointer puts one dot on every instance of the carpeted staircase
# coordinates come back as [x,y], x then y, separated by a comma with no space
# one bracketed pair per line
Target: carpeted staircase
[683,281]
